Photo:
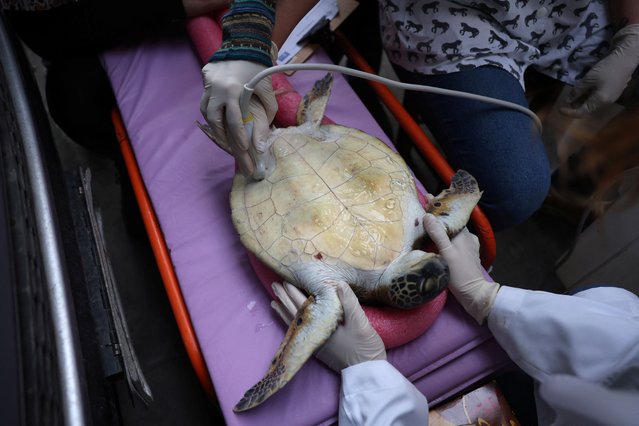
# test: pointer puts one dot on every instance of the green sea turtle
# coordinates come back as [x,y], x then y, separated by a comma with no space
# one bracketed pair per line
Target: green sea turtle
[340,205]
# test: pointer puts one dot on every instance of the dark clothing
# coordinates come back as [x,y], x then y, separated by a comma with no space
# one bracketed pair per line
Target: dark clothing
[79,96]
[86,27]
[500,147]
[69,38]
[32,4]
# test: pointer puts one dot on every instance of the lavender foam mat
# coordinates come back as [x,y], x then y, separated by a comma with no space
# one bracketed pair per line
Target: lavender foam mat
[158,86]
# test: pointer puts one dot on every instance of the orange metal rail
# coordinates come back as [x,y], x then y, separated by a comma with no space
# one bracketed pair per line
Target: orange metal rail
[431,153]
[163,259]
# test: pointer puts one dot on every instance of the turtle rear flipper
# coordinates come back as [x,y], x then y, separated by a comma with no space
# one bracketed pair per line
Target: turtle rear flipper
[313,324]
[313,105]
[454,205]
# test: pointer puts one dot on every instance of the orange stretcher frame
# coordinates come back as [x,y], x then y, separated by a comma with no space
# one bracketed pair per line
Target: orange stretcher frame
[161,253]
[431,153]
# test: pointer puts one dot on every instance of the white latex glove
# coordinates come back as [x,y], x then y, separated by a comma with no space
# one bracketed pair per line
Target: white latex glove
[467,282]
[353,342]
[220,105]
[606,81]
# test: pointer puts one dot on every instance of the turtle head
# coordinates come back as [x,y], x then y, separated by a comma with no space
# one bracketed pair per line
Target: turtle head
[413,279]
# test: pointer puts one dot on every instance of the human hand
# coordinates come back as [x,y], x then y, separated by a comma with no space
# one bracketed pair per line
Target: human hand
[220,105]
[353,342]
[606,81]
[467,282]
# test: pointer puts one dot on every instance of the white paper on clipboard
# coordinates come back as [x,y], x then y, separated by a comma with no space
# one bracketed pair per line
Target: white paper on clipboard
[323,9]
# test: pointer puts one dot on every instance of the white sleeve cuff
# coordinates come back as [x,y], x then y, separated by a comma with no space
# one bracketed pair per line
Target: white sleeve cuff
[375,393]
[507,304]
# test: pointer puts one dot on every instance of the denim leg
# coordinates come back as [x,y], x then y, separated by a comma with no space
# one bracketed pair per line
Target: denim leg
[501,147]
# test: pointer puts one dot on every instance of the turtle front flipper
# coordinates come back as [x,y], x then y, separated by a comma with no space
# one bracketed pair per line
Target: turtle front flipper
[314,323]
[454,205]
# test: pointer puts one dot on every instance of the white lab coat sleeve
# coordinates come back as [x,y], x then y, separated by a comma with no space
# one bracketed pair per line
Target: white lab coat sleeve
[582,350]
[574,401]
[591,335]
[375,393]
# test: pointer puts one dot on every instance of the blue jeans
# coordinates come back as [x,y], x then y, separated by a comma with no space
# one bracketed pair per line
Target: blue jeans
[501,147]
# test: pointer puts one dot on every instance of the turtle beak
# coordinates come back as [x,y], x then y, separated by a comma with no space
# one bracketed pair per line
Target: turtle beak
[434,279]
[420,284]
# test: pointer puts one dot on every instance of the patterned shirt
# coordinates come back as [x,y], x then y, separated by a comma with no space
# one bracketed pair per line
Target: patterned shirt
[33,5]
[560,38]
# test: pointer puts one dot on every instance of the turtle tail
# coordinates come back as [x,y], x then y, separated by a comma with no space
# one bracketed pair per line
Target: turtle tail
[313,324]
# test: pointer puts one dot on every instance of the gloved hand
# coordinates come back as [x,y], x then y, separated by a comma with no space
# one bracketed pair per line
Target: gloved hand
[467,282]
[606,81]
[353,342]
[220,105]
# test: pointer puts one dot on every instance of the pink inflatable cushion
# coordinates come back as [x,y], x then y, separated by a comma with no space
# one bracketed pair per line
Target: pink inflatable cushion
[395,326]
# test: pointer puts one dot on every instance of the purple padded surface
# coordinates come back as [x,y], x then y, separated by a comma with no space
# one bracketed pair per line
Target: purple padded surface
[158,86]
